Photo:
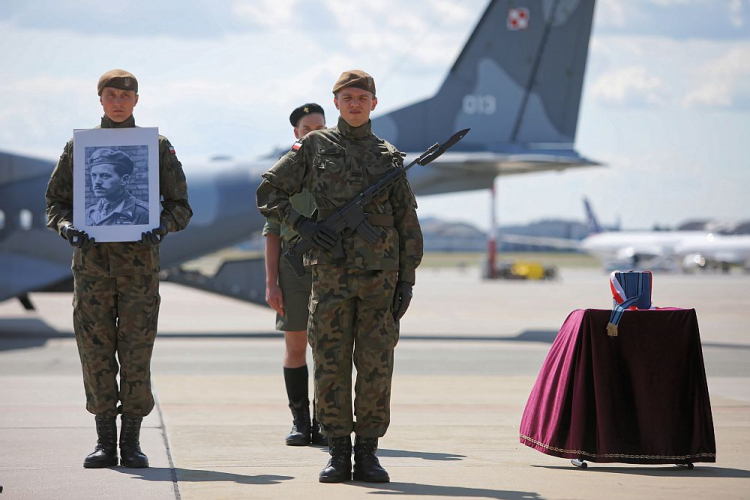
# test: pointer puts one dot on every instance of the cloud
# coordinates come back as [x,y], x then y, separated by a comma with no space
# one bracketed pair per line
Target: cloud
[455,11]
[723,82]
[612,14]
[630,86]
[736,17]
[677,19]
[30,107]
[385,19]
[714,93]
[268,12]
[124,19]
[416,36]
[641,71]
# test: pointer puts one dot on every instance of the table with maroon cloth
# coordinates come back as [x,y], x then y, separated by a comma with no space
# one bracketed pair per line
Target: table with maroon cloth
[640,397]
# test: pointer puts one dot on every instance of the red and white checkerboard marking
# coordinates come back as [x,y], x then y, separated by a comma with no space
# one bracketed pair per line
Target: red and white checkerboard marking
[518,18]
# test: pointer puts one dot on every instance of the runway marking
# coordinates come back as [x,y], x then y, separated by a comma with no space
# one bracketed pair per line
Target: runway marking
[163,428]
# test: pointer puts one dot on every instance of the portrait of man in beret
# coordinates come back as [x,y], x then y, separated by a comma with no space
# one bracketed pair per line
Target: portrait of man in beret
[110,172]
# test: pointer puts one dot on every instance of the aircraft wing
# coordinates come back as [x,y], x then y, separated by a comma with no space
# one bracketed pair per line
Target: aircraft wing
[455,172]
[16,168]
[31,256]
[509,164]
[22,274]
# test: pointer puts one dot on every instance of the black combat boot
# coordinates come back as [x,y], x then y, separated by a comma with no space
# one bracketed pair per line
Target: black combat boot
[105,453]
[130,445]
[366,465]
[300,433]
[339,468]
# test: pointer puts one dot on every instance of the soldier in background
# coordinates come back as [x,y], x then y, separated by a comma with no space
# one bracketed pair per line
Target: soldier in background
[110,174]
[356,301]
[289,296]
[116,289]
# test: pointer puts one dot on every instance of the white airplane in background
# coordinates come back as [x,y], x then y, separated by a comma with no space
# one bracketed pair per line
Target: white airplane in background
[717,250]
[654,250]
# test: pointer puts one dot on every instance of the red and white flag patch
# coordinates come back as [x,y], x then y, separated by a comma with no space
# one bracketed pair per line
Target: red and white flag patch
[518,19]
[171,149]
[296,146]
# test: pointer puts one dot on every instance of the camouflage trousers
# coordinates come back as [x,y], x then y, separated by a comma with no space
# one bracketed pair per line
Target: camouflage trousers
[351,318]
[115,320]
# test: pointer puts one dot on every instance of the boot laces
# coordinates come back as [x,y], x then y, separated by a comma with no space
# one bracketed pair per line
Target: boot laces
[106,430]
[129,432]
[339,446]
[366,447]
[300,414]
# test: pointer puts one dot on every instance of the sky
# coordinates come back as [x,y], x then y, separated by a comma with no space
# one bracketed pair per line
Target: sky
[665,106]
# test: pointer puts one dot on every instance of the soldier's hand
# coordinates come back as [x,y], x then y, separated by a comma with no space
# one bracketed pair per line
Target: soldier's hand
[401,299]
[154,237]
[275,298]
[317,234]
[77,238]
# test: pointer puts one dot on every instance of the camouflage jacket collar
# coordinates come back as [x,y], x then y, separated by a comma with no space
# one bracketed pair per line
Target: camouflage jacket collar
[107,123]
[354,133]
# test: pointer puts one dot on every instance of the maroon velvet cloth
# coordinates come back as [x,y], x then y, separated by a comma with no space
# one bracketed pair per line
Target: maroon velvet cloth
[640,397]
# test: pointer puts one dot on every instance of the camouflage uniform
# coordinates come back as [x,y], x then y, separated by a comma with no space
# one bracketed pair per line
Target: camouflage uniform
[352,300]
[116,291]
[295,291]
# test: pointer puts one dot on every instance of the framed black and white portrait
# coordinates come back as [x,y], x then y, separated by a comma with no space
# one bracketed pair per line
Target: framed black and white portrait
[116,182]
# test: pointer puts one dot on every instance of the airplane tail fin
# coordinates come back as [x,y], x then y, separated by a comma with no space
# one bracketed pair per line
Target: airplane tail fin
[593,224]
[15,167]
[517,80]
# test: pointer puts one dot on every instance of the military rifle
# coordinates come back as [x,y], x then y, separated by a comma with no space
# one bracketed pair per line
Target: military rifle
[352,217]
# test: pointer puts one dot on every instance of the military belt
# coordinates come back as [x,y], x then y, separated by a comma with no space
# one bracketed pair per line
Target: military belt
[383,220]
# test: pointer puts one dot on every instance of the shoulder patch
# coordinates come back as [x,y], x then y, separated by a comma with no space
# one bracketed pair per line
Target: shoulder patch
[171,149]
[296,146]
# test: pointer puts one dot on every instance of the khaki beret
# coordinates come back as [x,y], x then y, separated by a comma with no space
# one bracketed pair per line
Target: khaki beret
[122,163]
[119,79]
[355,78]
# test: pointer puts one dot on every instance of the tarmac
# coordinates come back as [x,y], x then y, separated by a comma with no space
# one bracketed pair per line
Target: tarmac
[469,354]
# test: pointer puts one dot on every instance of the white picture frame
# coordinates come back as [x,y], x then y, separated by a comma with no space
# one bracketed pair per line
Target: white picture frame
[93,208]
